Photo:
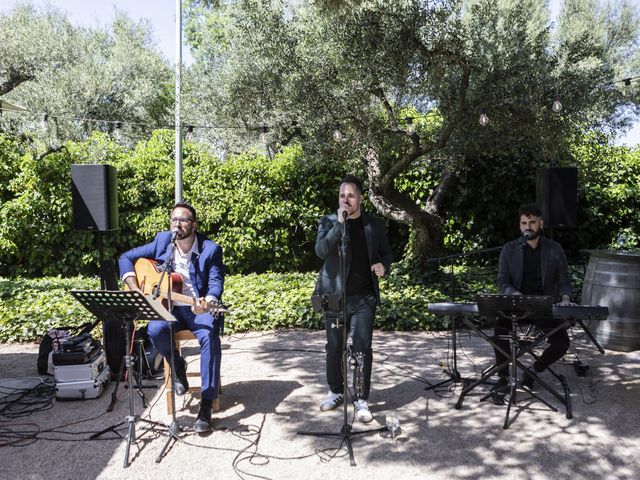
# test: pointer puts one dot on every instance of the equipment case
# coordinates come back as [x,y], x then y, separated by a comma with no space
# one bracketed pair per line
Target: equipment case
[84,389]
[75,358]
[81,372]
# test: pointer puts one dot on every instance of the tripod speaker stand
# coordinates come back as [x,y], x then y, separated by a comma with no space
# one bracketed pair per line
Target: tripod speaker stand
[126,307]
[452,373]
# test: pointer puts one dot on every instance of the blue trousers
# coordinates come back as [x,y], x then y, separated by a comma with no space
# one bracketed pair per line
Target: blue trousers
[206,328]
[361,311]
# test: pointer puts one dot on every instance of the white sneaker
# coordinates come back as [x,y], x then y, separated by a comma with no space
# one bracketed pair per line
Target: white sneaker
[331,401]
[363,414]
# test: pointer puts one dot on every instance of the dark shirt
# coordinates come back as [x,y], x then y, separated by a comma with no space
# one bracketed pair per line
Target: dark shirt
[359,281]
[532,271]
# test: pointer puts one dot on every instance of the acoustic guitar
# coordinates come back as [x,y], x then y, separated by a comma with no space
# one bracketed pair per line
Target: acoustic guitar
[148,273]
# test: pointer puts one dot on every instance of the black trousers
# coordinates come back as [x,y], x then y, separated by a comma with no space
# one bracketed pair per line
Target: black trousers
[558,344]
[361,311]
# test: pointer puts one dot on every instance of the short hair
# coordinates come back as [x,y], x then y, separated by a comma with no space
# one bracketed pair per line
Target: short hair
[187,206]
[355,180]
[530,209]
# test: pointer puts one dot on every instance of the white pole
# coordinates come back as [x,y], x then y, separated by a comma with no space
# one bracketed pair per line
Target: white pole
[178,155]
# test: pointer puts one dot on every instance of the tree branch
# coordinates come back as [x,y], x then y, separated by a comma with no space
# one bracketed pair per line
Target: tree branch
[15,79]
[376,190]
[51,150]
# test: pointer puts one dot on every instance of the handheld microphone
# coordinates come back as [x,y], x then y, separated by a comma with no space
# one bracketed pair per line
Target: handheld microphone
[345,212]
[174,235]
[526,236]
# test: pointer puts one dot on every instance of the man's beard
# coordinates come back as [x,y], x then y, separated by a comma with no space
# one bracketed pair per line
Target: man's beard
[184,233]
[533,234]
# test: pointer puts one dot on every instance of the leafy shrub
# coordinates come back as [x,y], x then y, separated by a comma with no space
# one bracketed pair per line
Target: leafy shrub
[30,307]
[269,301]
[263,212]
[608,196]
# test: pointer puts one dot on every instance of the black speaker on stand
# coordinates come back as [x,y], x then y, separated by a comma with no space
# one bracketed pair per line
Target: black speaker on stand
[94,195]
[557,196]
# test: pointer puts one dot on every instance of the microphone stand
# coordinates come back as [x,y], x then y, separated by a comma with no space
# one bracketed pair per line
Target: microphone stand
[167,269]
[346,431]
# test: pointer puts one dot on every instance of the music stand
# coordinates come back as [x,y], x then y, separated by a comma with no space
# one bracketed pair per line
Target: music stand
[125,307]
[516,308]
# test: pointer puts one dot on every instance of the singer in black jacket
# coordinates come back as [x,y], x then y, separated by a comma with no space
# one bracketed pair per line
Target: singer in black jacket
[368,257]
[533,265]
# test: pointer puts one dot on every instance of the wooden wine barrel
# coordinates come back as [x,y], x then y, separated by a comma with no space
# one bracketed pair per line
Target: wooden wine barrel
[613,280]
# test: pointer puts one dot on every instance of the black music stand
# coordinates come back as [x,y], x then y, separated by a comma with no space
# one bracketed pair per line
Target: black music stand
[516,308]
[125,307]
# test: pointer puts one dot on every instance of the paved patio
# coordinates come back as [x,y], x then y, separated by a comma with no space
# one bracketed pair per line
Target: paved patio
[273,383]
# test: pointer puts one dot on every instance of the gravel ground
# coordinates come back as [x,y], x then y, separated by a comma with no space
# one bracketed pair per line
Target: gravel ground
[272,386]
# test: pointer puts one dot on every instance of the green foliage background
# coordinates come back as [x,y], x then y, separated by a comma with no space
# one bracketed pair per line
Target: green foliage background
[264,213]
[30,307]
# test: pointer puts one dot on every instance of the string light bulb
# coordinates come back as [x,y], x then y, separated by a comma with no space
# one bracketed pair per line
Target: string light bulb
[556,106]
[337,134]
[117,130]
[44,121]
[189,135]
[484,119]
[263,134]
[410,128]
[627,87]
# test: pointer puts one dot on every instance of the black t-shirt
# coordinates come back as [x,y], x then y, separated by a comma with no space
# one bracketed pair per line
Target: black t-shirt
[532,271]
[359,281]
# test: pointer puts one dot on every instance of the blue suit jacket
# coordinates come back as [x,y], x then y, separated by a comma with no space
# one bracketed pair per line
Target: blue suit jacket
[206,271]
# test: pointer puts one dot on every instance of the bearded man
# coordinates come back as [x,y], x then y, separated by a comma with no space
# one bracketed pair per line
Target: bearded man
[533,265]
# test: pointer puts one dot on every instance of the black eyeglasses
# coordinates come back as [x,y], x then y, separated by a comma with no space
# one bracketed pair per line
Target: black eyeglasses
[181,219]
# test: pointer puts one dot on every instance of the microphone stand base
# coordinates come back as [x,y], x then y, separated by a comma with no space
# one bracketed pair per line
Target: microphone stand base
[345,434]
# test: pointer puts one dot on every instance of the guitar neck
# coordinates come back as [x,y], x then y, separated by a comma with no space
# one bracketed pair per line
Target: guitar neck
[178,297]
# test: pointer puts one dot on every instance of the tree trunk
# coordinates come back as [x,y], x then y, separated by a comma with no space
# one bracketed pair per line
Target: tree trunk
[425,239]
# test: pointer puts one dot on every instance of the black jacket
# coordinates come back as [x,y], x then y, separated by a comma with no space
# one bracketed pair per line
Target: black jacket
[328,241]
[554,268]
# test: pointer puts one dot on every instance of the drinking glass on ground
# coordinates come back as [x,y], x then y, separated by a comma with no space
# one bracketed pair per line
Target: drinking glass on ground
[393,423]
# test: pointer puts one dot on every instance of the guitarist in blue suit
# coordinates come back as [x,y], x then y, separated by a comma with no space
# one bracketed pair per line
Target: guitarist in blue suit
[198,260]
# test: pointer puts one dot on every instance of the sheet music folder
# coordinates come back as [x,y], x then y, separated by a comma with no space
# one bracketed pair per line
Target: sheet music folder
[113,305]
[519,306]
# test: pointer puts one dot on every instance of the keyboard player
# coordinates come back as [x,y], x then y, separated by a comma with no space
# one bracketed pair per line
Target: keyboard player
[533,265]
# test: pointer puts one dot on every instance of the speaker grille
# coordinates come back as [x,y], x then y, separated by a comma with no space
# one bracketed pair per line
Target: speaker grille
[557,196]
[94,192]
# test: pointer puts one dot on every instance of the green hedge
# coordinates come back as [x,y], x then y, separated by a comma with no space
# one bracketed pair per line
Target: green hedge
[29,307]
[263,211]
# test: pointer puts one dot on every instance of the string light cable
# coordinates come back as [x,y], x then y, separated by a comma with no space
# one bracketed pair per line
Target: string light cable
[116,126]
